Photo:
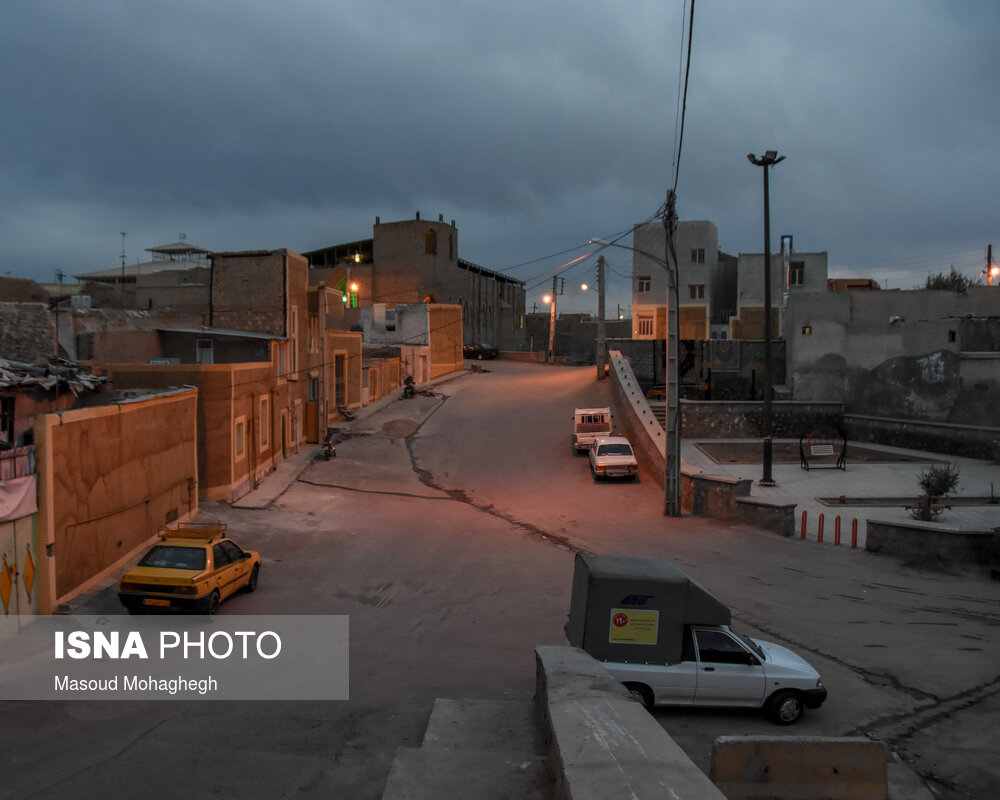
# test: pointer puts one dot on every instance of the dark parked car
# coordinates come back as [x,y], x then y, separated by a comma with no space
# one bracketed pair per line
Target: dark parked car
[480,350]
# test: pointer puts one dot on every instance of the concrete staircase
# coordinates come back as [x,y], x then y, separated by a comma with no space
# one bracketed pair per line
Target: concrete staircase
[659,409]
[483,749]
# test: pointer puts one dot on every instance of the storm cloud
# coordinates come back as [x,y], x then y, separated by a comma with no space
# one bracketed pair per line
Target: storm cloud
[535,126]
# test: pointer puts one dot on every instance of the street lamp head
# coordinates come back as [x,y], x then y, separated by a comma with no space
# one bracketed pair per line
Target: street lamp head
[600,242]
[769,158]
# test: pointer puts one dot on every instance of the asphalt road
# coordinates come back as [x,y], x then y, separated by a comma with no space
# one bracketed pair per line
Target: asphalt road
[446,528]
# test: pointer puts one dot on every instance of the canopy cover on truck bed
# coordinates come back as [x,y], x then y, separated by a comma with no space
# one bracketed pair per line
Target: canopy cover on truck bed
[635,609]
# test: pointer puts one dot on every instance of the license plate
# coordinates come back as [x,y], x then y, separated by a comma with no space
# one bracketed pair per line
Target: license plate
[155,601]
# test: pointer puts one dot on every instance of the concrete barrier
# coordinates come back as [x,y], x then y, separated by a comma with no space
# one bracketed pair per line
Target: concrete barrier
[701,494]
[800,768]
[932,543]
[602,744]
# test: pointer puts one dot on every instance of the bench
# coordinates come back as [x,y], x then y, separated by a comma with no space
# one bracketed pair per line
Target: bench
[824,448]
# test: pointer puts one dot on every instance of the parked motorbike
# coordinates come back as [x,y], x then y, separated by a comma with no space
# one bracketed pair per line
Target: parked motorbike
[329,451]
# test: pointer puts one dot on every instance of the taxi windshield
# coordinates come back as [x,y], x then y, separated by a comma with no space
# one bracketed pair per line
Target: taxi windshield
[174,557]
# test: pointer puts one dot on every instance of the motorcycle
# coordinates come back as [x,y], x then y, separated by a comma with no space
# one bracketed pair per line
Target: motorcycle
[329,451]
[408,387]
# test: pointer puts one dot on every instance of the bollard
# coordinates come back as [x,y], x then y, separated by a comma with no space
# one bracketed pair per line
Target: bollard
[854,533]
[804,524]
[819,538]
[836,530]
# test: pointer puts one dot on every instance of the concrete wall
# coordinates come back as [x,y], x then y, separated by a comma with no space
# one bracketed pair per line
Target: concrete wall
[919,354]
[109,478]
[253,291]
[241,408]
[602,744]
[27,332]
[934,544]
[445,339]
[740,420]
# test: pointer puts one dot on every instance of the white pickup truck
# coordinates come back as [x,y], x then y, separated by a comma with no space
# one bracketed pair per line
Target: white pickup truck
[720,667]
[588,425]
[668,640]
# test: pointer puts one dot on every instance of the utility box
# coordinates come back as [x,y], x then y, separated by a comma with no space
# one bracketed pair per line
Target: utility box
[636,609]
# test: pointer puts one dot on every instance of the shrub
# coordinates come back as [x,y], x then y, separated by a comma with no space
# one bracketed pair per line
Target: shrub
[935,482]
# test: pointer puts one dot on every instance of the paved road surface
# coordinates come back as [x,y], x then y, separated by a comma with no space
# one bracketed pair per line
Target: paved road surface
[446,528]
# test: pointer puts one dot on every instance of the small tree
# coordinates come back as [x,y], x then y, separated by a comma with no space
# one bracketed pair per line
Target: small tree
[954,281]
[936,482]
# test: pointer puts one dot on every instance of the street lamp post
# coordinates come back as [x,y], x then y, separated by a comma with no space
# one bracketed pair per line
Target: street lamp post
[672,454]
[602,349]
[769,159]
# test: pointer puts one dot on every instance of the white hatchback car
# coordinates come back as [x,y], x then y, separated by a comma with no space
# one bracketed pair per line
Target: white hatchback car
[612,457]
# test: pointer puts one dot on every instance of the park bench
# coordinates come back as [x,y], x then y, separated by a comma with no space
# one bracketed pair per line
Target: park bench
[824,448]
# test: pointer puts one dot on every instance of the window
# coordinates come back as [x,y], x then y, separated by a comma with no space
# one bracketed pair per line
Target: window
[643,283]
[431,243]
[293,324]
[7,421]
[219,556]
[313,334]
[697,255]
[234,553]
[696,291]
[264,422]
[239,437]
[719,648]
[796,273]
[313,396]
[204,352]
[644,326]
[281,351]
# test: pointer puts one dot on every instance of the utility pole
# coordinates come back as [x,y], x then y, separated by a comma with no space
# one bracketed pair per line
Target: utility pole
[552,319]
[122,291]
[602,348]
[672,454]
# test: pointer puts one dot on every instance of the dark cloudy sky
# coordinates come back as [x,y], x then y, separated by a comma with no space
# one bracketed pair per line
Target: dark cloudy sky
[536,126]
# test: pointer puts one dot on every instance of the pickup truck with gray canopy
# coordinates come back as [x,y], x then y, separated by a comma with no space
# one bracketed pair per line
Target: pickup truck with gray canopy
[668,640]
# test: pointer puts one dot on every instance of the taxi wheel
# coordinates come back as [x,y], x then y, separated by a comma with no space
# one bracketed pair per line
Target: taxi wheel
[212,607]
[252,582]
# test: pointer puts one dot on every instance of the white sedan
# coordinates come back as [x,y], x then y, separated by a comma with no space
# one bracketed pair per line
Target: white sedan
[612,457]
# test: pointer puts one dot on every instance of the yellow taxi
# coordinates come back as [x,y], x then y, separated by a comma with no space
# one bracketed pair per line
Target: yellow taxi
[192,568]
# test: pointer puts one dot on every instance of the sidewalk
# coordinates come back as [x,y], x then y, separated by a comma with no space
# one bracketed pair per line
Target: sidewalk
[862,480]
[273,485]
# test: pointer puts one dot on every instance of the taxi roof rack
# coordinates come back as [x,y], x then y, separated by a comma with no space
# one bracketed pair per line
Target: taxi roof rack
[196,530]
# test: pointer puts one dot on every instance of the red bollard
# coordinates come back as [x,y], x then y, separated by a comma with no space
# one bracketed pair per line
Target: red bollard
[820,537]
[854,533]
[836,530]
[803,525]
